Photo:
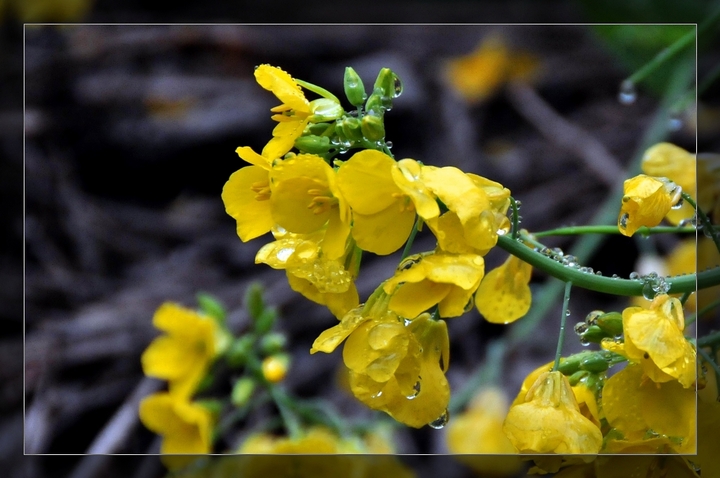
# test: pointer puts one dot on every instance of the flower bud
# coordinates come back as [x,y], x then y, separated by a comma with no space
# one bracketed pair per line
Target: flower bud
[313,144]
[372,127]
[593,334]
[352,128]
[375,103]
[611,323]
[325,109]
[242,391]
[240,350]
[274,367]
[354,87]
[570,365]
[594,363]
[265,322]
[273,343]
[385,83]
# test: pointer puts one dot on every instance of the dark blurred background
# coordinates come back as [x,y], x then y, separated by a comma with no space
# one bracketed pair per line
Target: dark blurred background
[111,199]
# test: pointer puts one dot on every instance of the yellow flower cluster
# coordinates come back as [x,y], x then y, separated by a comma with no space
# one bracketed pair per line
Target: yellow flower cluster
[322,217]
[182,356]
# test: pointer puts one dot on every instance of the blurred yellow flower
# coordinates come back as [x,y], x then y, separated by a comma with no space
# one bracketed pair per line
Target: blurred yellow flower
[479,431]
[646,201]
[383,215]
[641,409]
[47,11]
[504,293]
[183,355]
[654,338]
[480,74]
[274,368]
[689,257]
[185,426]
[422,281]
[549,420]
[679,166]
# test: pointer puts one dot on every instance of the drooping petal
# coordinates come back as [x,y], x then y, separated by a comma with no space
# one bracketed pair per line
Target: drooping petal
[504,293]
[384,232]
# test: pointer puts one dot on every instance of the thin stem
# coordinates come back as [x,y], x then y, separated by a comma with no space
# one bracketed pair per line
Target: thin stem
[515,218]
[691,317]
[563,319]
[665,54]
[615,286]
[411,239]
[578,230]
[685,297]
[709,340]
[708,359]
[292,424]
[704,220]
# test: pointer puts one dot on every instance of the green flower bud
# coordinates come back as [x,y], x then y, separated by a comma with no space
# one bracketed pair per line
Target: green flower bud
[254,302]
[324,109]
[570,365]
[320,129]
[385,83]
[575,378]
[611,323]
[211,306]
[372,127]
[594,363]
[352,128]
[376,104]
[594,334]
[313,144]
[354,87]
[265,322]
[240,350]
[242,391]
[273,343]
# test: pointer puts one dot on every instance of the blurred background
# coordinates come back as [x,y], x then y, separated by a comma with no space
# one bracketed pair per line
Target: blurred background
[130,133]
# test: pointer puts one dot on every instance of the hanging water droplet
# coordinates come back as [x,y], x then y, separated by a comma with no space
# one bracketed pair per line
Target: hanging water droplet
[584,342]
[675,122]
[567,313]
[398,87]
[440,421]
[627,94]
[623,220]
[388,144]
[580,328]
[647,291]
[592,317]
[518,204]
[416,391]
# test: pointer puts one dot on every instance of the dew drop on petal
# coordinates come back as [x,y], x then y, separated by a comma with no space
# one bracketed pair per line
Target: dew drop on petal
[416,391]
[440,421]
[623,220]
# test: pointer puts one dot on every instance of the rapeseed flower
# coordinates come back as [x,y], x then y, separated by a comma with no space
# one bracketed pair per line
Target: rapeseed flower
[185,426]
[422,281]
[183,355]
[480,74]
[646,201]
[549,420]
[383,215]
[673,162]
[504,293]
[641,409]
[654,339]
[478,430]
[395,365]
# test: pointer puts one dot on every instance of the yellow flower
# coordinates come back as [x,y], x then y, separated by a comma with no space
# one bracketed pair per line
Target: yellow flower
[676,164]
[183,355]
[448,280]
[549,420]
[246,195]
[690,256]
[646,201]
[383,215]
[654,338]
[641,409]
[479,431]
[274,368]
[483,72]
[504,294]
[185,426]
[306,199]
[394,366]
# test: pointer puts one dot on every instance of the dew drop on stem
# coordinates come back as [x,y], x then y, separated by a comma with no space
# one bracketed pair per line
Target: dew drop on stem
[627,94]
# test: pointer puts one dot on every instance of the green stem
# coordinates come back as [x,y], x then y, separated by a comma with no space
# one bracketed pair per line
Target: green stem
[709,340]
[665,54]
[563,319]
[704,220]
[411,239]
[487,374]
[608,285]
[578,230]
[515,218]
[709,360]
[691,317]
[291,421]
[685,297]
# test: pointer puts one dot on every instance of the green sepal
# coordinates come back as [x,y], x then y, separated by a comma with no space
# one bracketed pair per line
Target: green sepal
[611,323]
[254,302]
[313,144]
[272,343]
[594,363]
[242,391]
[240,350]
[265,322]
[575,378]
[594,334]
[372,127]
[211,306]
[354,87]
[324,109]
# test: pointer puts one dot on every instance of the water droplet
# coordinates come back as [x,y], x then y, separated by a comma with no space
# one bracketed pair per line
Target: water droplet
[623,220]
[627,94]
[675,122]
[377,395]
[440,421]
[501,232]
[558,252]
[592,317]
[584,342]
[647,291]
[406,321]
[615,276]
[398,87]
[518,204]
[634,275]
[470,304]
[567,313]
[598,273]
[416,391]
[581,328]
[388,144]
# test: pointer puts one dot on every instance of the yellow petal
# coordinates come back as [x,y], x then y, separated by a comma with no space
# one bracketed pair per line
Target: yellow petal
[504,293]
[406,174]
[384,232]
[252,215]
[366,182]
[411,299]
[282,85]
[332,337]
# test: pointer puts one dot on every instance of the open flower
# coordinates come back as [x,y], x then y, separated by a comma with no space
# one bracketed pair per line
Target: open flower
[654,338]
[504,293]
[185,426]
[424,280]
[394,366]
[646,201]
[641,410]
[183,355]
[383,214]
[549,420]
[679,166]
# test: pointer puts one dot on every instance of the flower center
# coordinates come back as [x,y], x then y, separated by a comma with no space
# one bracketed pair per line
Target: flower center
[321,202]
[261,190]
